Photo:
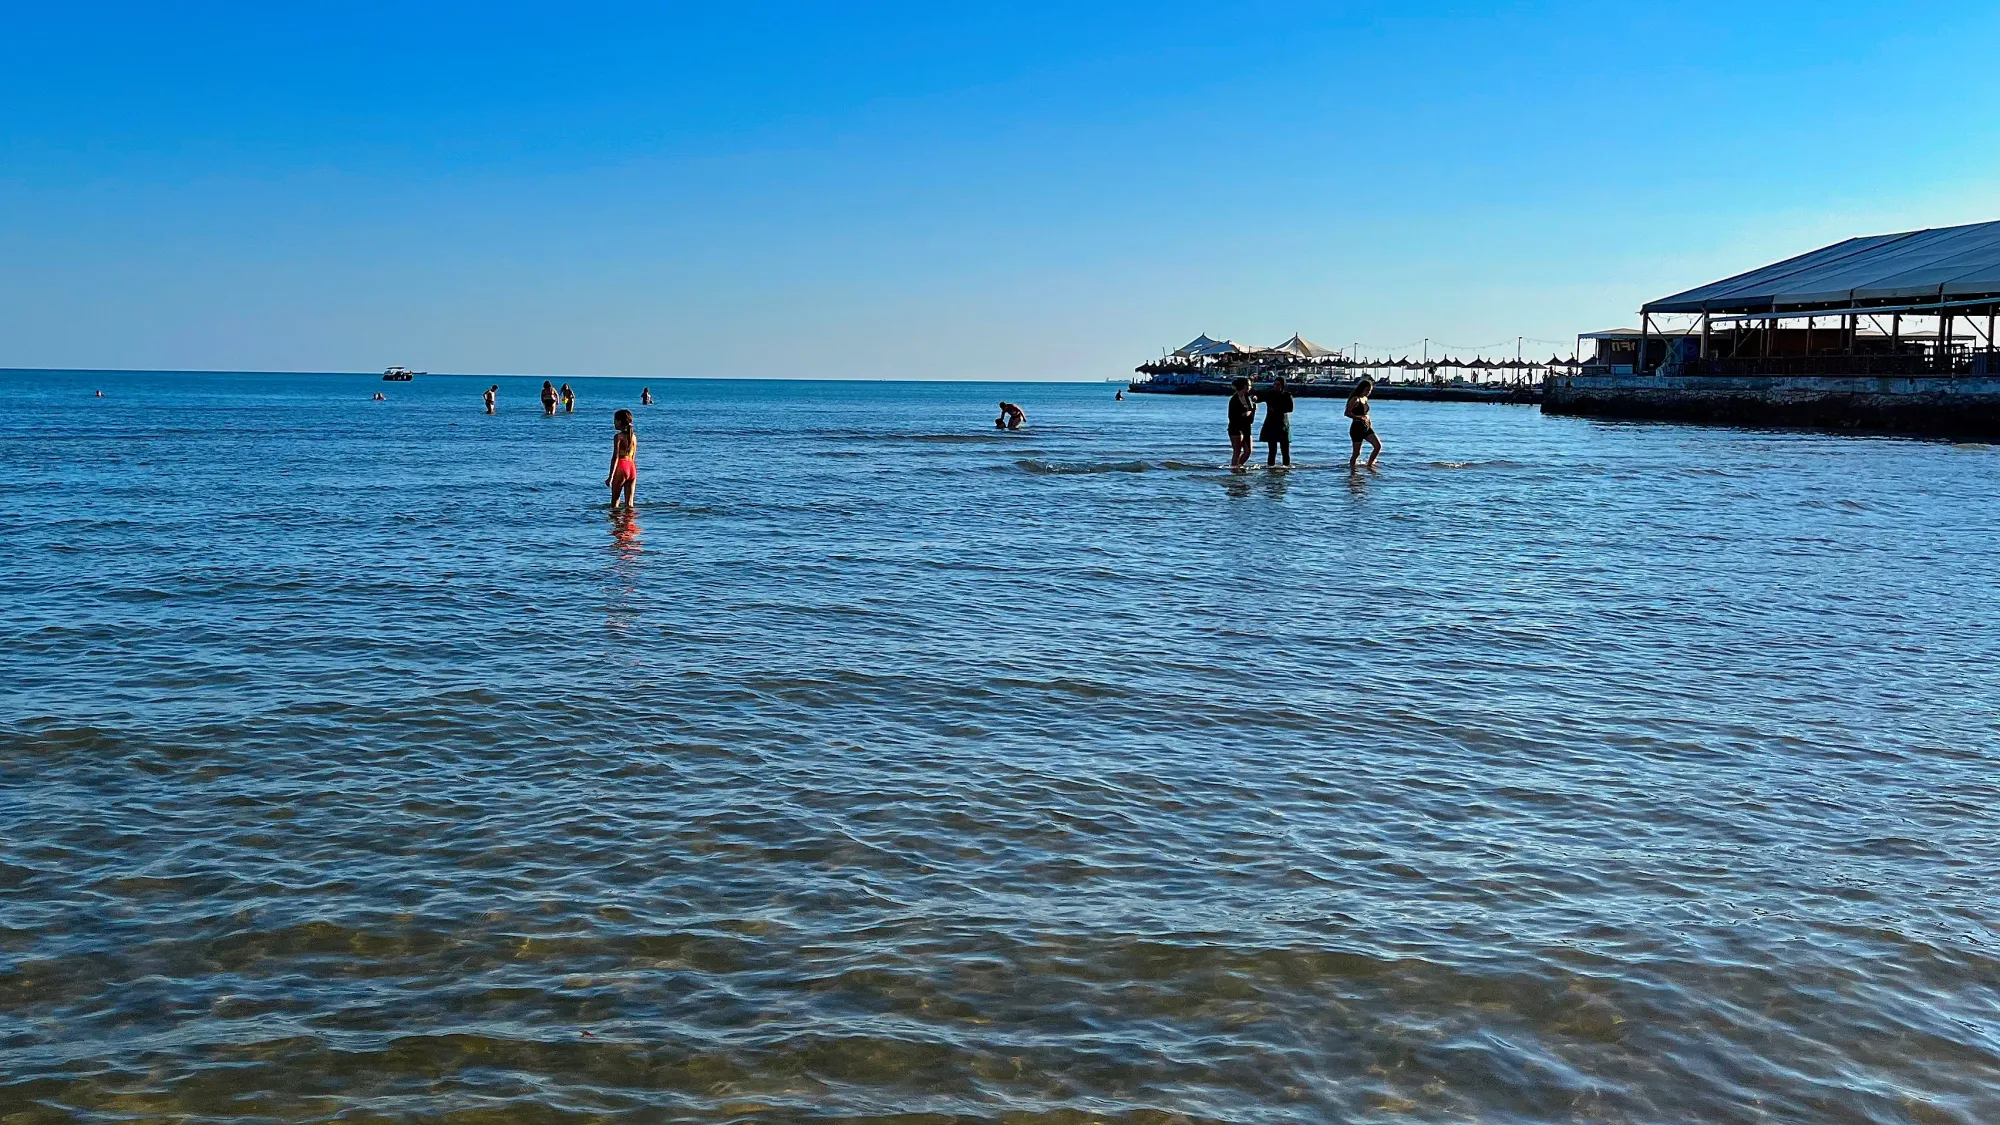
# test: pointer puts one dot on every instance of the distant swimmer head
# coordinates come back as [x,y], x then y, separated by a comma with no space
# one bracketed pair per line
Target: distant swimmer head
[622,419]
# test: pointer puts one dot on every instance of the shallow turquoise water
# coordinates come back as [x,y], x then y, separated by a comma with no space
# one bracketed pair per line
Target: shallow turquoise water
[357,764]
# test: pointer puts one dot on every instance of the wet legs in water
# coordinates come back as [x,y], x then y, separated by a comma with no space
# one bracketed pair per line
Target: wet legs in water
[1284,444]
[623,487]
[1239,448]
[1375,450]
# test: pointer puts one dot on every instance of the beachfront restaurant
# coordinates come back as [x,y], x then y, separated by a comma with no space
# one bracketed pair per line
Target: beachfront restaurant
[1917,303]
[1615,351]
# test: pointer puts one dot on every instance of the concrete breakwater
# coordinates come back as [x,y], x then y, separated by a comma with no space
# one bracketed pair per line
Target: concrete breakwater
[1932,405]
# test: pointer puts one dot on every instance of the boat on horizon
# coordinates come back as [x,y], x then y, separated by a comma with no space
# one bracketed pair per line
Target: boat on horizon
[400,375]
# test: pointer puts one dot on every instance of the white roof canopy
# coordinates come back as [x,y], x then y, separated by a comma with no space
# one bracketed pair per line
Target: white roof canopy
[1203,346]
[1940,264]
[1300,346]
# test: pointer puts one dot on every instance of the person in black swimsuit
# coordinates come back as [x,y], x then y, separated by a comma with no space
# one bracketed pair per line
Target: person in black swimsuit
[1242,411]
[1362,428]
[1277,432]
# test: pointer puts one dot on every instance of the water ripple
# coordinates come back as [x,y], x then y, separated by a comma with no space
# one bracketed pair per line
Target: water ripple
[885,767]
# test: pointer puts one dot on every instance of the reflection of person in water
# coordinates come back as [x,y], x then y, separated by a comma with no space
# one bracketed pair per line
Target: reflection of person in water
[1011,417]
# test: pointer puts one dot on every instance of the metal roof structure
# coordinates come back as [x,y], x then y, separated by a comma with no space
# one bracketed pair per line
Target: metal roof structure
[1634,333]
[1939,268]
[1658,333]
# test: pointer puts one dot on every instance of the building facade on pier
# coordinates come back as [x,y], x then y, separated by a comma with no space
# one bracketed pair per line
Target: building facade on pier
[1886,333]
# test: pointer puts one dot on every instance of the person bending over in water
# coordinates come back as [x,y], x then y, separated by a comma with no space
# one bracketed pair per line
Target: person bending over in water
[1242,412]
[623,479]
[491,392]
[1278,421]
[568,399]
[1362,428]
[548,397]
[1011,417]
[645,396]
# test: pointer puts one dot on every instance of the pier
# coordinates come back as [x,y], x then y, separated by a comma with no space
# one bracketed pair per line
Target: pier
[1932,405]
[1886,333]
[1525,394]
[1206,366]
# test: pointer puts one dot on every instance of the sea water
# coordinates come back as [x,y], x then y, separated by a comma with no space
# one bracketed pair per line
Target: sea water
[356,763]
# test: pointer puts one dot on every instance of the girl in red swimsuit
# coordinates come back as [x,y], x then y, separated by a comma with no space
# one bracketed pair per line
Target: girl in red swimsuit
[624,475]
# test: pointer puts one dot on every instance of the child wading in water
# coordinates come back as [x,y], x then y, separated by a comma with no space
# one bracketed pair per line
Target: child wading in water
[1361,428]
[623,478]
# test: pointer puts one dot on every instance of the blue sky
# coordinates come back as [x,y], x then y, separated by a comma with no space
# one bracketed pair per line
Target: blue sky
[1004,191]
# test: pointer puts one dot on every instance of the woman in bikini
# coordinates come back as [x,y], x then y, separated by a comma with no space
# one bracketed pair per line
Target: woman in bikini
[1362,428]
[623,479]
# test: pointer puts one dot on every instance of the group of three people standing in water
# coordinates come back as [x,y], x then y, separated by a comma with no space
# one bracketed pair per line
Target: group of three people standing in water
[1277,431]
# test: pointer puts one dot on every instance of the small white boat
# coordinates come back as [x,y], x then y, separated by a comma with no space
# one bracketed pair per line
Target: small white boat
[399,375]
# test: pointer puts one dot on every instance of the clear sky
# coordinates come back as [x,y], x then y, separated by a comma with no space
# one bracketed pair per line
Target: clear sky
[933,190]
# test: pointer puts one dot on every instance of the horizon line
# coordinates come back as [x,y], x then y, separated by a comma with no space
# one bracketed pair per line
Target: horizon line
[533,375]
